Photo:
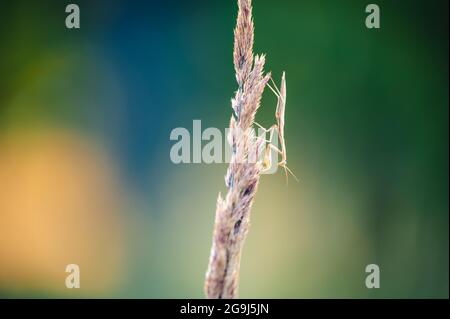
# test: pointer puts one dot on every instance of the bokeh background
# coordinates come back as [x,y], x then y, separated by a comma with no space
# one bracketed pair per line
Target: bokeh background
[86,178]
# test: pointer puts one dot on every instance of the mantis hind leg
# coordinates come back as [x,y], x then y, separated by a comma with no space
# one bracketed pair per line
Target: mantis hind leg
[286,170]
[283,163]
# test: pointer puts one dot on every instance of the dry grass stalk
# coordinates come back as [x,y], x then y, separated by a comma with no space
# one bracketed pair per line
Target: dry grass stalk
[233,212]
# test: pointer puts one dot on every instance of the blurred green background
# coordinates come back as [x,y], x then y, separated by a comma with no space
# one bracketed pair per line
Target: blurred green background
[86,178]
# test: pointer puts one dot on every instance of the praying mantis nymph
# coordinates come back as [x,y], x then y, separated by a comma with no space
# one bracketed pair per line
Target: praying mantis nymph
[279,128]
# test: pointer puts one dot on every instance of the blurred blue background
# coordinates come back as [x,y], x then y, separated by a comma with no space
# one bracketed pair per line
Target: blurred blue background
[85,173]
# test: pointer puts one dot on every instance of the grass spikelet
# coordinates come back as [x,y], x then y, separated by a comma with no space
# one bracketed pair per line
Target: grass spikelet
[242,178]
